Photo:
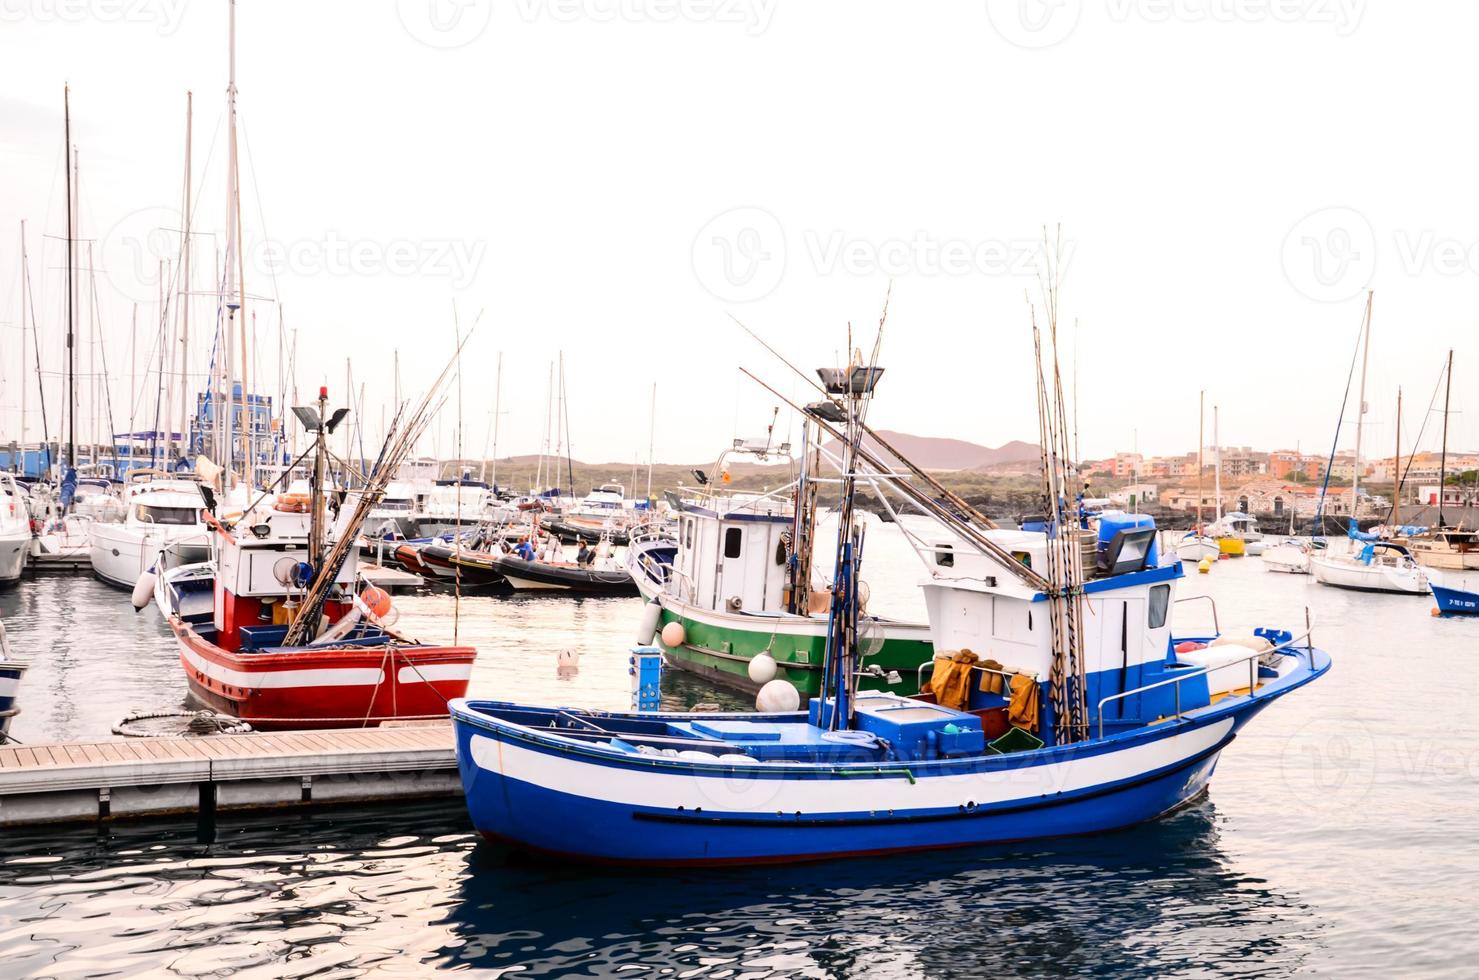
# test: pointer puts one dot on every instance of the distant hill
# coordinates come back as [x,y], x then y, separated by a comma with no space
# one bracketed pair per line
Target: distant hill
[934,453]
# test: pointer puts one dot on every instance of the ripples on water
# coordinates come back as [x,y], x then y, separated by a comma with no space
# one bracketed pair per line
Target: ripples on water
[411,890]
[1341,834]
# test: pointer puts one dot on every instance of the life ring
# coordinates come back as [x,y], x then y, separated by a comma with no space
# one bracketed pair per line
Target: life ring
[292,503]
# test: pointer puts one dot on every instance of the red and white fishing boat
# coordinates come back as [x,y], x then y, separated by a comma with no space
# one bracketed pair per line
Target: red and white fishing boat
[358,671]
[292,640]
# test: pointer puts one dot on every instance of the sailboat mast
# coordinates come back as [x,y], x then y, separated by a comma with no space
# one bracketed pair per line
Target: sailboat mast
[1361,413]
[71,379]
[1217,467]
[1443,458]
[234,290]
[1397,464]
[497,403]
[183,445]
[1201,441]
[22,361]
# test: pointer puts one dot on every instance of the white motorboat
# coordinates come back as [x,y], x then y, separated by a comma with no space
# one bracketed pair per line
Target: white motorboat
[164,517]
[1380,566]
[1194,547]
[15,530]
[1290,556]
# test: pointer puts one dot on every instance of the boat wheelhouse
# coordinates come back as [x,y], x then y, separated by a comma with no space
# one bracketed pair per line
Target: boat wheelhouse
[728,576]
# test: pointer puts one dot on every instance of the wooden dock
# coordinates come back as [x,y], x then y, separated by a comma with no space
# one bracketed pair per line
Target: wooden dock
[391,579]
[73,564]
[85,781]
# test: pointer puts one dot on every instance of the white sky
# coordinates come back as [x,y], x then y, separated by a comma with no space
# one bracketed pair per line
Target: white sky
[612,178]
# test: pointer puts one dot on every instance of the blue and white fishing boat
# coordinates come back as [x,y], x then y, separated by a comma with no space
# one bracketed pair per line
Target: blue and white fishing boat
[11,672]
[1085,717]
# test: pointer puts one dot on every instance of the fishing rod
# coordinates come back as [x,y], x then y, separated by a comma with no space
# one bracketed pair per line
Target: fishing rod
[924,501]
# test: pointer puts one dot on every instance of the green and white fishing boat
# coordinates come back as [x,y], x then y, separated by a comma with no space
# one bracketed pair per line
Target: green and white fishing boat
[731,588]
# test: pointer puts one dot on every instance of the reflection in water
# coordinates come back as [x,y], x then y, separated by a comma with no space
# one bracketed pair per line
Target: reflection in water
[416,890]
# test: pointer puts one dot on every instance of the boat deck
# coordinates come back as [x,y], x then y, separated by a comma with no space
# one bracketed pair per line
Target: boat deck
[98,780]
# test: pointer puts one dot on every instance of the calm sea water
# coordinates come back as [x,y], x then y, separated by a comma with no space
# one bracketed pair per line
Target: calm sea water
[1340,836]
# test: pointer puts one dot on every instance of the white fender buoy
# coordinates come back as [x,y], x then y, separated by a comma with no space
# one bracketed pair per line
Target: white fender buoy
[647,625]
[776,696]
[762,668]
[674,635]
[143,593]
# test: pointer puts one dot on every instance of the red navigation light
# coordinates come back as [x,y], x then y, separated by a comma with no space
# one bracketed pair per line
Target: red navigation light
[323,391]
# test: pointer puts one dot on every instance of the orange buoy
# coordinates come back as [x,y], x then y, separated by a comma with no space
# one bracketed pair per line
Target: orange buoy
[377,600]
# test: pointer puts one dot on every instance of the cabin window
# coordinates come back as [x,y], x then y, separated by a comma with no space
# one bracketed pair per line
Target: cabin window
[1160,604]
[732,538]
[945,558]
[688,534]
[167,515]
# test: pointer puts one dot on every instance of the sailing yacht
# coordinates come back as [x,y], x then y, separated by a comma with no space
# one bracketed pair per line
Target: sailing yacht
[1379,566]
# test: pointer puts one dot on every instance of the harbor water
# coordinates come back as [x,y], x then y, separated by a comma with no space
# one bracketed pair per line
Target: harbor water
[1340,835]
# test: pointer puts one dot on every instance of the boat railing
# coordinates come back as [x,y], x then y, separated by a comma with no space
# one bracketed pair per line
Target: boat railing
[1216,628]
[1252,659]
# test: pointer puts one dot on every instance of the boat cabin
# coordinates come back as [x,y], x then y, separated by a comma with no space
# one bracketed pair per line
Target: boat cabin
[262,571]
[732,551]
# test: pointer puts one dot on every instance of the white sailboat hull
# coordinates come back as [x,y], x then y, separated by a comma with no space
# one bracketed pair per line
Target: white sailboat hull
[1349,573]
[1286,559]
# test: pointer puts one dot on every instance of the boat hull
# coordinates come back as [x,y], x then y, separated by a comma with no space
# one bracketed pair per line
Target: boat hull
[1456,592]
[13,550]
[120,553]
[343,687]
[719,647]
[546,577]
[1286,559]
[1369,578]
[680,812]
[11,672]
[1195,549]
